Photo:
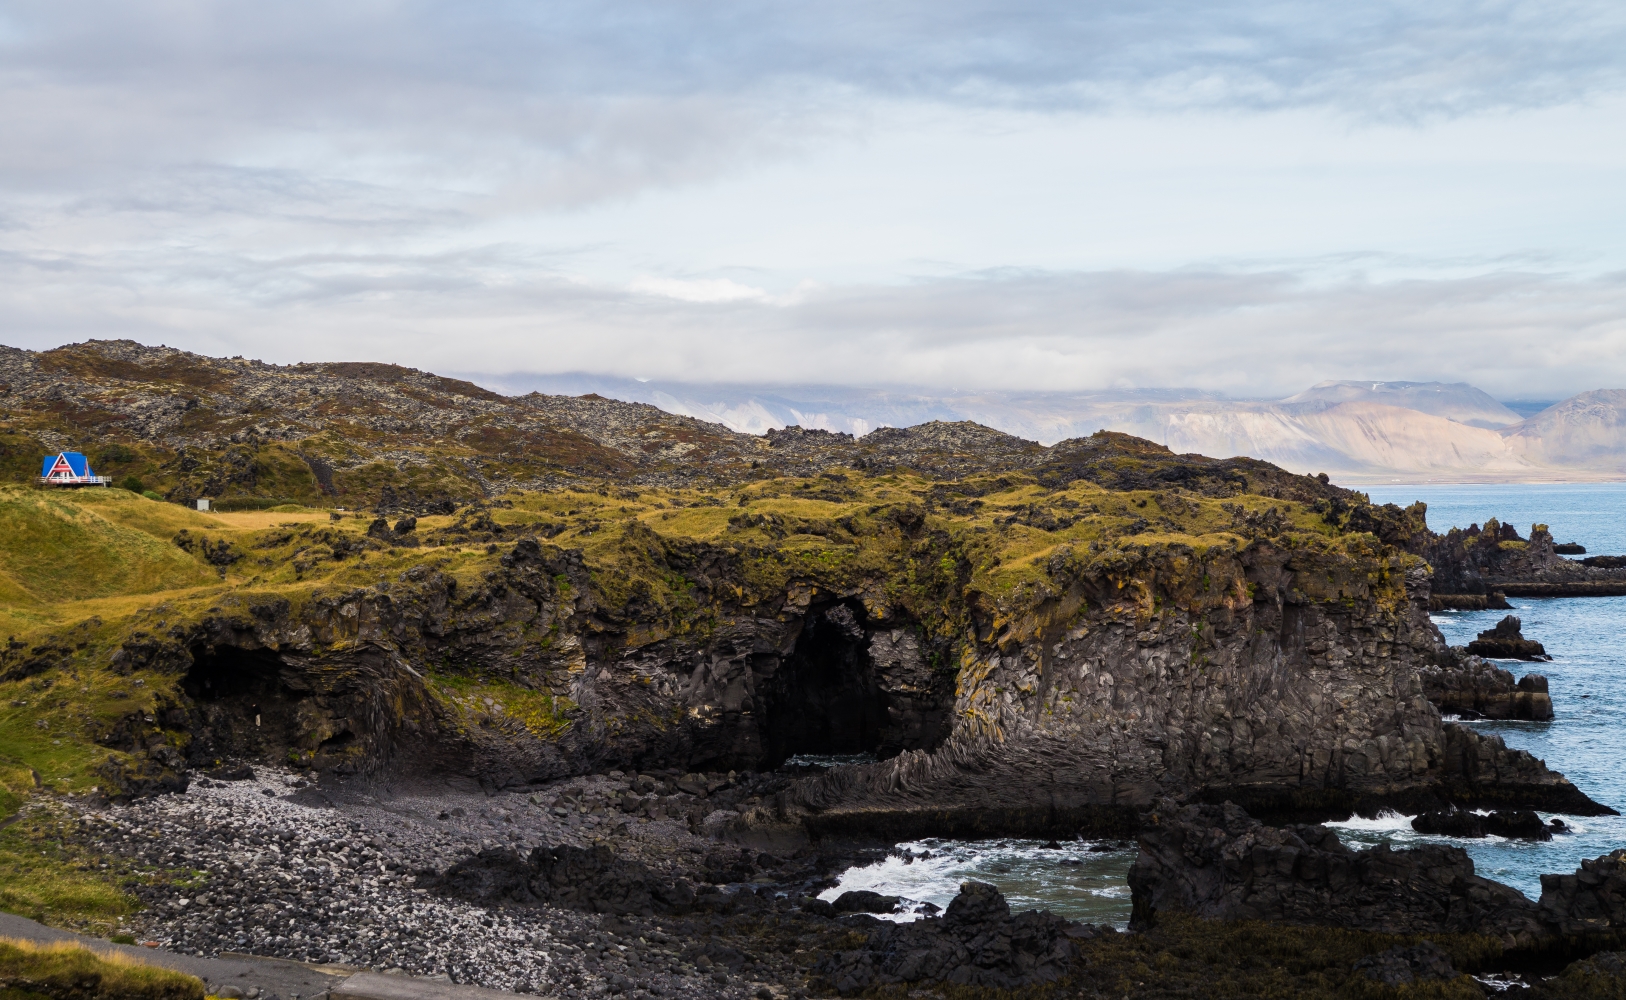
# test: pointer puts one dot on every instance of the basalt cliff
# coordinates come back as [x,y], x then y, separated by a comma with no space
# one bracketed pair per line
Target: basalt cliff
[1029,639]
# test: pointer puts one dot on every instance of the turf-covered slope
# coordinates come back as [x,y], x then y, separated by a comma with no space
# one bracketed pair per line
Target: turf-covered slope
[1037,649]
[71,547]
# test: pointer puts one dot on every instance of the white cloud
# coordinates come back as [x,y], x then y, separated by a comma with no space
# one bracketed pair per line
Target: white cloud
[698,289]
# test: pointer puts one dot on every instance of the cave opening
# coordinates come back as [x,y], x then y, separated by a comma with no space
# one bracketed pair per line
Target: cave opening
[245,703]
[825,700]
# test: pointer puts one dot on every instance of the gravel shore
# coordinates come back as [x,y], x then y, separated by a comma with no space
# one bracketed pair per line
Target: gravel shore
[332,875]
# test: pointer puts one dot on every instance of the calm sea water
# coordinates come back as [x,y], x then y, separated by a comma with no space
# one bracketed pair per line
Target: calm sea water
[1586,739]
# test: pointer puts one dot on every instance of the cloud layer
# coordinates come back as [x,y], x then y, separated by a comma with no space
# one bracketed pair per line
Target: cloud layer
[1218,195]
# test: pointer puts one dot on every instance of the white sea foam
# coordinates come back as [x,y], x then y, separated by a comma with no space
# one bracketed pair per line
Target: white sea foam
[1387,821]
[1073,881]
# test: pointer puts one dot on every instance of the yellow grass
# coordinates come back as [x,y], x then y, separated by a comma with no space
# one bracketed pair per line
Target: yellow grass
[65,966]
[251,520]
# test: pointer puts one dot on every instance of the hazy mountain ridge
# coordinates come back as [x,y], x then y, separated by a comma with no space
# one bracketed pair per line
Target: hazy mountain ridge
[1356,429]
[1457,401]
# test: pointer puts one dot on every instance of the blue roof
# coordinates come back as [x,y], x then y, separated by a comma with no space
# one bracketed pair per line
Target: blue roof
[77,462]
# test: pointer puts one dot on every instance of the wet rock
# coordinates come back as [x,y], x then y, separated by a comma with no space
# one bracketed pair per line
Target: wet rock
[1517,824]
[975,943]
[864,901]
[1218,862]
[1421,963]
[1507,642]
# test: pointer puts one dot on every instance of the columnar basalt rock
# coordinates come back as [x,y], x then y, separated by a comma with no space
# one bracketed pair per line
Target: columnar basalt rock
[1288,681]
[1467,686]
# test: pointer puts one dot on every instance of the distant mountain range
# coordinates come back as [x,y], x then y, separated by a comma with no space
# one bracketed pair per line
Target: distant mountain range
[1359,431]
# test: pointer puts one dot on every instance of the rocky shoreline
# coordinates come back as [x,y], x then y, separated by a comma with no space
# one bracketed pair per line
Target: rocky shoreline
[436,883]
[566,892]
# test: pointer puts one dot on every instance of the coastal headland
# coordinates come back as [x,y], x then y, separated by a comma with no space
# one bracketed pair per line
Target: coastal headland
[504,688]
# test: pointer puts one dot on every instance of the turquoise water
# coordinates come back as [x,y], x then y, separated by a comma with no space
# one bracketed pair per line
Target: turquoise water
[1586,739]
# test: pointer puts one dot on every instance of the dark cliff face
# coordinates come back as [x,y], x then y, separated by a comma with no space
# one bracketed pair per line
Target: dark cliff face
[339,683]
[1292,686]
[1288,679]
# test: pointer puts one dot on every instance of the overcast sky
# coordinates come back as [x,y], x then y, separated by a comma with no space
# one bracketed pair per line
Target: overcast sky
[1240,196]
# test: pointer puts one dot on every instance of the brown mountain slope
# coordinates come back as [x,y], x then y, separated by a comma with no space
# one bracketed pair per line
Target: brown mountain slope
[366,434]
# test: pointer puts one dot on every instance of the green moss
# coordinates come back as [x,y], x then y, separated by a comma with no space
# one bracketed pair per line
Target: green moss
[486,701]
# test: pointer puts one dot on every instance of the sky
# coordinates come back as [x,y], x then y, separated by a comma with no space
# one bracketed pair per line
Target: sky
[1243,197]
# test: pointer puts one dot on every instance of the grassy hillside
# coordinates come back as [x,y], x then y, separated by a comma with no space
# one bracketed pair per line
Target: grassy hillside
[64,548]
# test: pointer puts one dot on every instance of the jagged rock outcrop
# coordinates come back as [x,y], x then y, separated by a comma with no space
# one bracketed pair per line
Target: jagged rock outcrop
[1506,641]
[1467,686]
[1481,562]
[976,942]
[1218,862]
[1590,901]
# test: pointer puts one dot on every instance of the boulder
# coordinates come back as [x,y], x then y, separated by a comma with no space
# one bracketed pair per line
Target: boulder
[1507,642]
[1592,900]
[864,901]
[592,879]
[143,775]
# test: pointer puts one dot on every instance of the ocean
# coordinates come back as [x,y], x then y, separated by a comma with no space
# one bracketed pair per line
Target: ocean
[1586,740]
